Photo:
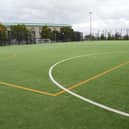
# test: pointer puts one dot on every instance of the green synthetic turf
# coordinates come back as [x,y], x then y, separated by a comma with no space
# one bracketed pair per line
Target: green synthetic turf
[28,66]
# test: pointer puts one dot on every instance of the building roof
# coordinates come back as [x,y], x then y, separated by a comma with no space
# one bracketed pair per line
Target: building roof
[38,24]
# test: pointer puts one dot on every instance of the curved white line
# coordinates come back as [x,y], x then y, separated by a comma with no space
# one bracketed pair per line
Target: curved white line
[79,96]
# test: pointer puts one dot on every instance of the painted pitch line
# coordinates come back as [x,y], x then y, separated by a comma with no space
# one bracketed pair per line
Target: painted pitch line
[85,99]
[71,87]
[93,78]
[27,89]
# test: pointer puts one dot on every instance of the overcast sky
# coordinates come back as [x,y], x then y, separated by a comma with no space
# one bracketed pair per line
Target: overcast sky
[107,14]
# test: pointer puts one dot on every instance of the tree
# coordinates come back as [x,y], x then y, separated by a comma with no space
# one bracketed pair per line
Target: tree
[109,36]
[46,33]
[67,34]
[117,36]
[20,33]
[3,34]
[102,37]
[126,36]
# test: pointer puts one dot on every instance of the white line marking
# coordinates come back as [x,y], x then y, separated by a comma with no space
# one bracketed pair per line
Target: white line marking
[79,96]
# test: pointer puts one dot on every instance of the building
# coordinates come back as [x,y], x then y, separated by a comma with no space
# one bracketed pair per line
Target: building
[36,28]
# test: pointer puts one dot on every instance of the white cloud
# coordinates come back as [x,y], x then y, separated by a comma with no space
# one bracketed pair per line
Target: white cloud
[107,14]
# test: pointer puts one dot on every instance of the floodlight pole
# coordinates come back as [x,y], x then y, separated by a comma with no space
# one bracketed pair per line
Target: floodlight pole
[90,13]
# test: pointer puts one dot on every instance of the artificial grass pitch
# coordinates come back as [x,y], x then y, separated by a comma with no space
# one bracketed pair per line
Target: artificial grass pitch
[28,66]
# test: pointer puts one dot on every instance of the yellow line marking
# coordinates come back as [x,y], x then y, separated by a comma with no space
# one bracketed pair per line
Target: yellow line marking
[71,87]
[27,89]
[93,78]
